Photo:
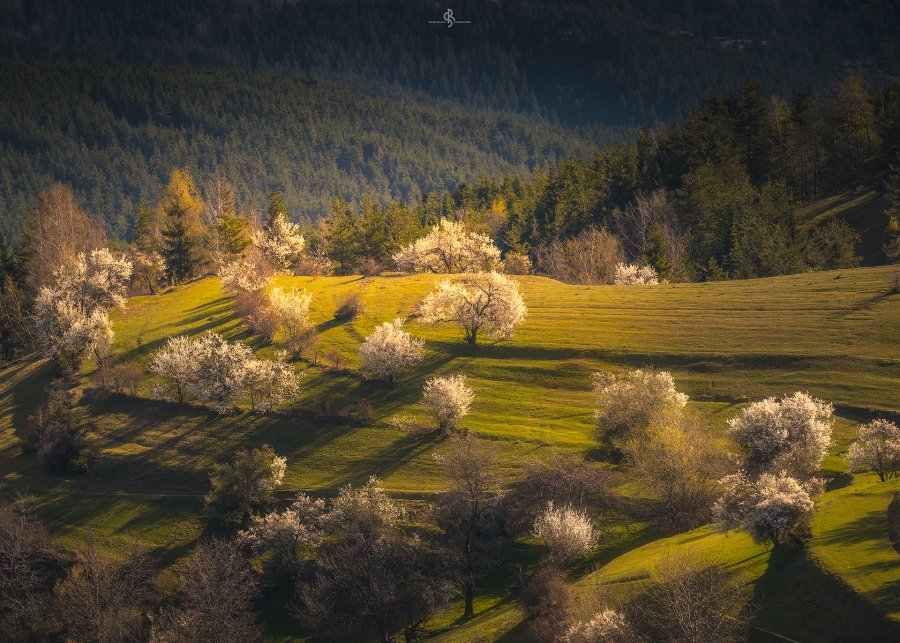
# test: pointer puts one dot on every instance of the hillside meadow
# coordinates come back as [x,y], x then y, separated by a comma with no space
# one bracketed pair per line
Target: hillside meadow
[834,334]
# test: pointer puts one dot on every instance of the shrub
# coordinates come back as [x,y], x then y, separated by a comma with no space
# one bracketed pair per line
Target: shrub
[349,307]
[448,400]
[605,626]
[517,263]
[548,603]
[633,275]
[289,310]
[369,267]
[125,377]
[589,258]
[245,485]
[389,349]
[253,307]
[566,531]
[633,402]
[877,449]
[58,435]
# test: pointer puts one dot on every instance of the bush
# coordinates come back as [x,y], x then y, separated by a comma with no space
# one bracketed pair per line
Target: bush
[125,377]
[245,485]
[589,258]
[58,436]
[517,263]
[253,307]
[349,307]
[369,267]
[548,603]
[566,531]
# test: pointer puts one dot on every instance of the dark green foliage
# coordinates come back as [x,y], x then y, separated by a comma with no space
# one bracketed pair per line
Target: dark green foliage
[243,486]
[58,436]
[833,245]
[179,245]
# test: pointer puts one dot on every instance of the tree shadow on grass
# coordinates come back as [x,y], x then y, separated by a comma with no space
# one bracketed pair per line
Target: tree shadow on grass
[797,599]
[873,526]
[27,394]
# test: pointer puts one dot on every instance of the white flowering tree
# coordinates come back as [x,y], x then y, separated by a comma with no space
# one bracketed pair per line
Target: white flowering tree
[567,532]
[390,349]
[71,315]
[630,403]
[290,313]
[877,449]
[244,276]
[449,248]
[220,374]
[606,626]
[447,399]
[629,274]
[271,382]
[175,363]
[487,302]
[365,511]
[281,241]
[792,434]
[284,535]
[774,507]
[245,484]
[221,371]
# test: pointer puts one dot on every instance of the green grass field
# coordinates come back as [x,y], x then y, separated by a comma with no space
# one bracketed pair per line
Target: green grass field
[834,334]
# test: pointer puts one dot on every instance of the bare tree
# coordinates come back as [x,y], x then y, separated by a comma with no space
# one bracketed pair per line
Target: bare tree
[55,232]
[215,603]
[26,569]
[589,258]
[467,512]
[692,602]
[106,601]
[681,464]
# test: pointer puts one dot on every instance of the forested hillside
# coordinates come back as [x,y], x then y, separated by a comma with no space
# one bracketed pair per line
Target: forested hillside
[114,133]
[581,60]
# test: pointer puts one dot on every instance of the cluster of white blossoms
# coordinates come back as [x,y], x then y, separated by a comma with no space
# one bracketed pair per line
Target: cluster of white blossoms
[567,532]
[72,314]
[390,349]
[487,302]
[792,434]
[449,248]
[243,275]
[877,449]
[447,399]
[289,309]
[367,509]
[284,533]
[220,374]
[606,626]
[629,274]
[772,507]
[632,402]
[281,241]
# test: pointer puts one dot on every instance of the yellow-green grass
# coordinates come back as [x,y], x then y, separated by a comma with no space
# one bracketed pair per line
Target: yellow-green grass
[834,334]
[851,540]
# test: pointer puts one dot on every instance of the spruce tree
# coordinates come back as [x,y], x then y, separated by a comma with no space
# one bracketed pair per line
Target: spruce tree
[179,245]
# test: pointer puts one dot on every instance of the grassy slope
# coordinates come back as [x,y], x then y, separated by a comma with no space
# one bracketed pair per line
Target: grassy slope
[834,334]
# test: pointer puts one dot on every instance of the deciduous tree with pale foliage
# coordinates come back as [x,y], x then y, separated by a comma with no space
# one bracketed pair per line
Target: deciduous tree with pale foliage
[605,626]
[628,274]
[245,485]
[269,383]
[290,313]
[486,302]
[631,403]
[390,349]
[71,315]
[448,400]
[774,507]
[567,532]
[284,535]
[449,248]
[244,275]
[281,241]
[877,449]
[792,434]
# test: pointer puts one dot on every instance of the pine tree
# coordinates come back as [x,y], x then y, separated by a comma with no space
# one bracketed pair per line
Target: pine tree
[892,233]
[179,245]
[276,207]
[656,251]
[755,131]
